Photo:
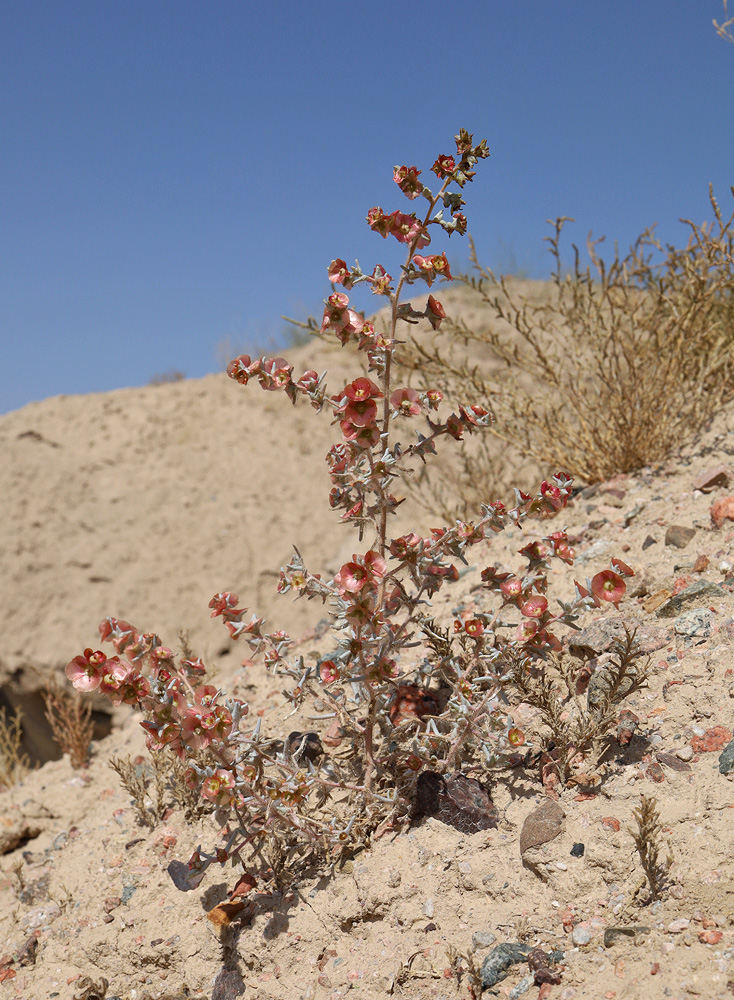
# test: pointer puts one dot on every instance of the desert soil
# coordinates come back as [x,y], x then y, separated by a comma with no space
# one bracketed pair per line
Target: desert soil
[141,504]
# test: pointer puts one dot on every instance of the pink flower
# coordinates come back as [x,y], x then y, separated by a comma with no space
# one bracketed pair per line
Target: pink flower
[379,222]
[407,180]
[362,389]
[608,586]
[380,281]
[534,607]
[474,628]
[526,631]
[362,413]
[219,787]
[329,672]
[622,567]
[113,675]
[434,312]
[85,671]
[444,166]
[352,578]
[408,229]
[224,605]
[434,397]
[511,589]
[515,737]
[406,402]
[339,273]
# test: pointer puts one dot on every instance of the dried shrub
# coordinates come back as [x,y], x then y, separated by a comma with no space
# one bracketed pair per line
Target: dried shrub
[725,29]
[157,784]
[610,368]
[13,763]
[70,719]
[579,732]
[648,841]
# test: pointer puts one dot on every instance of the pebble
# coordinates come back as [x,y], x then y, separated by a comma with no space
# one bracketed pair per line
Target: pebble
[726,759]
[678,926]
[580,935]
[701,591]
[679,536]
[542,825]
[614,934]
[523,986]
[685,753]
[482,939]
[428,908]
[699,621]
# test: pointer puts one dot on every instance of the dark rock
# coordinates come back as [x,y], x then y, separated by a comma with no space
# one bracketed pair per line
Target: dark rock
[304,746]
[542,967]
[699,592]
[228,985]
[679,536]
[648,542]
[697,621]
[456,800]
[499,962]
[577,851]
[542,825]
[726,759]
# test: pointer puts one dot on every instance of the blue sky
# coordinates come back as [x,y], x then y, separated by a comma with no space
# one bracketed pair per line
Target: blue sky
[176,174]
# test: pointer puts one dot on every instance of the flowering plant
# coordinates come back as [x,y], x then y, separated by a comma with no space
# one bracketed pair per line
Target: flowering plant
[397,717]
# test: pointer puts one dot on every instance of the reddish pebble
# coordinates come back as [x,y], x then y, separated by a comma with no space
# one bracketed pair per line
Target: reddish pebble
[7,974]
[545,991]
[710,936]
[610,823]
[713,739]
[722,510]
[654,968]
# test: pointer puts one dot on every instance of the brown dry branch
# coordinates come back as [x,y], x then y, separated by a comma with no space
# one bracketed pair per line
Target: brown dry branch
[70,719]
[649,844]
[725,29]
[578,731]
[13,763]
[611,369]
[157,783]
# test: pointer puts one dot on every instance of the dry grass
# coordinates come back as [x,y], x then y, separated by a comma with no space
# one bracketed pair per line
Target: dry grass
[13,763]
[70,719]
[649,843]
[725,30]
[610,369]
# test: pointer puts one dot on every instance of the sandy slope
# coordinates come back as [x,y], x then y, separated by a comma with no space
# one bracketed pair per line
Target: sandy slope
[143,502]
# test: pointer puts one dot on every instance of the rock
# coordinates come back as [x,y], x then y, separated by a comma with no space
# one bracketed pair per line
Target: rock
[699,621]
[722,510]
[679,536]
[648,542]
[580,935]
[726,760]
[601,636]
[715,738]
[678,926]
[577,851]
[699,592]
[711,478]
[614,934]
[542,966]
[702,563]
[541,826]
[482,939]
[522,987]
[610,823]
[500,960]
[15,830]
[456,800]
[685,753]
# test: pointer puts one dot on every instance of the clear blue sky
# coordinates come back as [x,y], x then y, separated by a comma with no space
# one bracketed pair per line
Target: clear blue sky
[177,173]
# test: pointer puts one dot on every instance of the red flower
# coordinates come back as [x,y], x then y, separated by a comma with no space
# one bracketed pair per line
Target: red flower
[608,586]
[434,312]
[534,607]
[406,402]
[85,671]
[406,179]
[444,166]
[339,273]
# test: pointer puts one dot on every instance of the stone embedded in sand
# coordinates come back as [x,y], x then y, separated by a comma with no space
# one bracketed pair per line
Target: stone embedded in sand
[456,800]
[499,962]
[610,823]
[698,621]
[713,739]
[726,760]
[679,536]
[722,510]
[602,636]
[614,934]
[542,825]
[699,592]
[712,478]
